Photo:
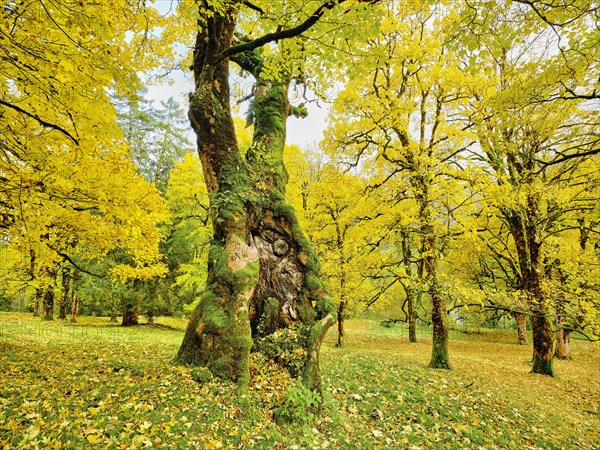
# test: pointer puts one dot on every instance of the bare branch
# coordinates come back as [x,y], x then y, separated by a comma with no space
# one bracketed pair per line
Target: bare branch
[40,120]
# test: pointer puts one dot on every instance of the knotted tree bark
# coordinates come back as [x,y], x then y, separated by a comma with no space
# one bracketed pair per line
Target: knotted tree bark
[263,274]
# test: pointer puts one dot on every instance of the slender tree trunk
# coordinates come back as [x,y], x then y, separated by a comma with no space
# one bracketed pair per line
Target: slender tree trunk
[409,289]
[439,315]
[114,315]
[39,297]
[66,293]
[439,321]
[563,344]
[521,328]
[412,318]
[74,306]
[341,309]
[262,271]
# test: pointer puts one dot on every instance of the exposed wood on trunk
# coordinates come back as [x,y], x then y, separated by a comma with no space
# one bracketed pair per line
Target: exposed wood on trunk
[262,272]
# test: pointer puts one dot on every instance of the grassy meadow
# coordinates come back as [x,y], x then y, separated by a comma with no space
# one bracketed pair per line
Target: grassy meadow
[93,385]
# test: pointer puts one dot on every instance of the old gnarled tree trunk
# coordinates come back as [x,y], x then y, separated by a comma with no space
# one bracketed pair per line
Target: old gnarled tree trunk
[262,271]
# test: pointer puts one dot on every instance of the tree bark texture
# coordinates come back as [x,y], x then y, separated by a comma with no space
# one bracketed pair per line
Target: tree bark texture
[341,309]
[39,297]
[74,306]
[563,339]
[527,242]
[429,254]
[262,271]
[130,315]
[521,328]
[409,289]
[412,318]
[66,293]
[48,303]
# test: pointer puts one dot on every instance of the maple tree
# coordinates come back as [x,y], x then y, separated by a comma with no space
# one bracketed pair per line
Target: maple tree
[69,190]
[334,210]
[263,273]
[396,116]
[532,139]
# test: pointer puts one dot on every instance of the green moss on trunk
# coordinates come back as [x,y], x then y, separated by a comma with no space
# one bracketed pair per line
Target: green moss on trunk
[543,344]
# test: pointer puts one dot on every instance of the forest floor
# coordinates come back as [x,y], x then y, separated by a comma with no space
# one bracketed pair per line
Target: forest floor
[92,385]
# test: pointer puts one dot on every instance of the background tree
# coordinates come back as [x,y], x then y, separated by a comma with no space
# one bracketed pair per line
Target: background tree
[334,210]
[397,116]
[68,189]
[526,129]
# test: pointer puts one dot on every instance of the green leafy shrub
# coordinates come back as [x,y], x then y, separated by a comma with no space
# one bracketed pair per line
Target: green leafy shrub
[300,405]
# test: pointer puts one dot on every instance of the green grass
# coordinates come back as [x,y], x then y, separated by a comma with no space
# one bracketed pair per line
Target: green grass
[93,385]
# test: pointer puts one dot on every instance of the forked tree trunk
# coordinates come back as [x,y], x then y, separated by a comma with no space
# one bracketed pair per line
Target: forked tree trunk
[521,328]
[262,271]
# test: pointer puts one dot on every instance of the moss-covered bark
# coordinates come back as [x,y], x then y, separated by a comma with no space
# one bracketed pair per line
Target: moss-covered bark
[262,271]
[341,312]
[523,226]
[130,315]
[429,273]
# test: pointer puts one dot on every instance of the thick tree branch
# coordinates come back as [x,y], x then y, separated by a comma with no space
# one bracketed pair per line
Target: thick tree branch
[254,7]
[40,120]
[280,35]
[78,267]
[594,151]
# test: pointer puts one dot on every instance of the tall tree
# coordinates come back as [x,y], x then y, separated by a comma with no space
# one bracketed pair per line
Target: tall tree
[263,273]
[68,189]
[532,140]
[335,211]
[397,116]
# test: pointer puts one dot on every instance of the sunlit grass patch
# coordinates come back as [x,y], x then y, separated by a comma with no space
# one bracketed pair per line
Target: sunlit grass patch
[121,391]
